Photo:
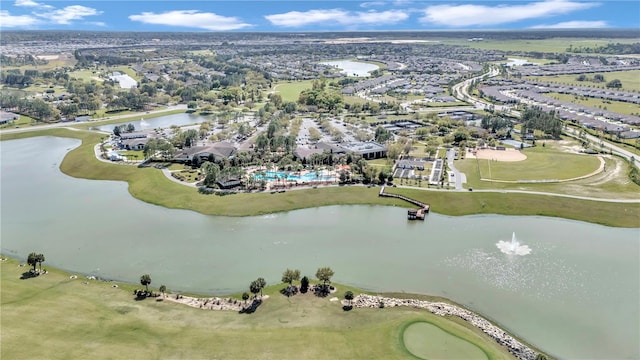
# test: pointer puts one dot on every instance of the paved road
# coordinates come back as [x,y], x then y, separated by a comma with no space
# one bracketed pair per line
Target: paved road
[460,91]
[630,201]
[455,175]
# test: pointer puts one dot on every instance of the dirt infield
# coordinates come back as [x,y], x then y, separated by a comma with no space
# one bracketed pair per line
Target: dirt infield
[498,155]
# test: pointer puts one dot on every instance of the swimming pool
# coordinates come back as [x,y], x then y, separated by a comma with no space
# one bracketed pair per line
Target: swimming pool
[281,175]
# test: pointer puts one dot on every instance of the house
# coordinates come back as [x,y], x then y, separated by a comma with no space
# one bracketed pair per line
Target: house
[368,149]
[305,153]
[199,154]
[8,117]
[229,182]
[134,144]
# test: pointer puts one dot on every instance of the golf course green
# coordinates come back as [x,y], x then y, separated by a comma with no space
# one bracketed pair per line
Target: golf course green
[428,341]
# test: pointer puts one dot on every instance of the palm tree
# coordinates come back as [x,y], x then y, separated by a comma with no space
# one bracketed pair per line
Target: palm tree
[348,296]
[32,260]
[163,289]
[245,297]
[261,283]
[254,288]
[40,259]
[145,280]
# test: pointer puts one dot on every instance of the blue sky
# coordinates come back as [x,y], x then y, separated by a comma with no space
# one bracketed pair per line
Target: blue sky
[311,15]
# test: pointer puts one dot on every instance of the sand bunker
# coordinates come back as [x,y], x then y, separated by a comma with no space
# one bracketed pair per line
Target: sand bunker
[499,155]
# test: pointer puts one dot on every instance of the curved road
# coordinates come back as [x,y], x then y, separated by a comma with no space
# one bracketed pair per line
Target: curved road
[461,91]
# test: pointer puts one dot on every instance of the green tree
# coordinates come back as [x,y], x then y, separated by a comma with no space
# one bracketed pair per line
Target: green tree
[145,280]
[289,276]
[163,289]
[211,173]
[245,297]
[324,274]
[614,84]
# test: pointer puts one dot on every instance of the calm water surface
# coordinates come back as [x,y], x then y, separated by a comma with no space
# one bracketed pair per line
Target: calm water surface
[576,295]
[353,68]
[181,119]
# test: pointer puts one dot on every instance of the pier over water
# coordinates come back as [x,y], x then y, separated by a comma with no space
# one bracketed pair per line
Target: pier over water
[412,214]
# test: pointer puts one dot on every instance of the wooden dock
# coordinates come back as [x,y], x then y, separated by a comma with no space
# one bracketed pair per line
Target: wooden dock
[412,214]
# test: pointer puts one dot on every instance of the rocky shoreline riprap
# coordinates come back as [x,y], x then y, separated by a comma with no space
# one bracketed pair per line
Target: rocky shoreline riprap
[518,349]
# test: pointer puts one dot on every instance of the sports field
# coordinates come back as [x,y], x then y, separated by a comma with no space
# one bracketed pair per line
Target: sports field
[534,164]
[290,91]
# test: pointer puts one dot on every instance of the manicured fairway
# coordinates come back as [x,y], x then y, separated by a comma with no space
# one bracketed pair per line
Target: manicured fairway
[428,341]
[56,317]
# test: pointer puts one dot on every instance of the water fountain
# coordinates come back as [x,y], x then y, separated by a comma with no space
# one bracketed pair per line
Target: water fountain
[513,247]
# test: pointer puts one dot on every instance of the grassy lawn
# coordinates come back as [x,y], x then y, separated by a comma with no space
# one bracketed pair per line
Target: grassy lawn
[21,122]
[464,203]
[132,154]
[443,345]
[290,91]
[81,318]
[541,164]
[619,107]
[85,75]
[127,70]
[380,162]
[630,79]
[444,104]
[612,183]
[190,176]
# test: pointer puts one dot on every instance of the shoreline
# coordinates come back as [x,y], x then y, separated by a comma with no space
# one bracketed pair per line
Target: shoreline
[152,187]
[502,337]
[436,305]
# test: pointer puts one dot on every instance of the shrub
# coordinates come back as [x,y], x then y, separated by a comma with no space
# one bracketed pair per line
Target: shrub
[289,290]
[304,285]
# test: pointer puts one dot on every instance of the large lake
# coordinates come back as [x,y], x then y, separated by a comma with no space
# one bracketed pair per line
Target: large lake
[352,68]
[576,295]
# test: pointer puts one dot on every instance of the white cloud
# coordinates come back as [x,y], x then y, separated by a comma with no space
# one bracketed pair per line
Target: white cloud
[191,18]
[68,14]
[31,3]
[372,4]
[337,17]
[7,20]
[576,24]
[474,15]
